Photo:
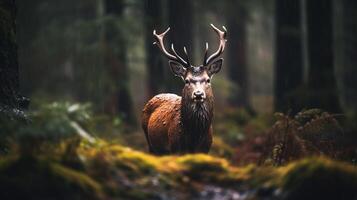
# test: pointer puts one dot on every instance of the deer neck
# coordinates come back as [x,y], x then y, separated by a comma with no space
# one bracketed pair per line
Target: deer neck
[196,118]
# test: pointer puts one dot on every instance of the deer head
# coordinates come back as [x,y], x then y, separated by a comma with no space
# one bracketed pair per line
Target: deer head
[197,78]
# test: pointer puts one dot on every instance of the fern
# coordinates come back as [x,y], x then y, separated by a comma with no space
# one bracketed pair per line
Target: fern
[310,132]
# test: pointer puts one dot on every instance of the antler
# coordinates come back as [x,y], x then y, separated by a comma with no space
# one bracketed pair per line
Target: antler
[160,43]
[222,44]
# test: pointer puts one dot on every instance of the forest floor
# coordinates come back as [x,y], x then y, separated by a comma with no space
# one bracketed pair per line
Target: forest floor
[78,169]
[60,154]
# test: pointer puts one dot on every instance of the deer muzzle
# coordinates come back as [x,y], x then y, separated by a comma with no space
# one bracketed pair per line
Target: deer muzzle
[198,96]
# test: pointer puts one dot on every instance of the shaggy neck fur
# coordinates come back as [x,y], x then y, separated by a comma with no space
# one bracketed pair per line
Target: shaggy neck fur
[196,120]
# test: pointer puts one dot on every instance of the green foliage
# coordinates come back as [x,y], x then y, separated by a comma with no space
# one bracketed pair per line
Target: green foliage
[8,113]
[319,178]
[230,124]
[235,125]
[60,120]
[310,132]
[48,124]
[55,121]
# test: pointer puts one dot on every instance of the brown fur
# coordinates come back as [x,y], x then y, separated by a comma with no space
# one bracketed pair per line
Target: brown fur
[173,125]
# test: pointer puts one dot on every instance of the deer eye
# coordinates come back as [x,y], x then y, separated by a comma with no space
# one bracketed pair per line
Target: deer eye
[208,80]
[187,81]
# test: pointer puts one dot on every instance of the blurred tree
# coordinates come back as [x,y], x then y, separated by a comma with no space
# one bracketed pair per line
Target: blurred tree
[115,57]
[10,100]
[81,46]
[154,62]
[346,51]
[289,68]
[26,11]
[28,24]
[236,53]
[321,77]
[181,22]
[9,70]
[56,38]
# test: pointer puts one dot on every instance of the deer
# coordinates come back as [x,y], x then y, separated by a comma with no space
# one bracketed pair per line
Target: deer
[175,124]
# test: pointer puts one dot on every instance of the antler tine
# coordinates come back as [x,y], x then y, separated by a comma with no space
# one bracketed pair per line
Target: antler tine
[222,43]
[179,57]
[187,58]
[206,54]
[160,43]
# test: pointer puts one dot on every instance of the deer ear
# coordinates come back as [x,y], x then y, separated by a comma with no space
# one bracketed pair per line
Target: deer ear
[215,67]
[177,69]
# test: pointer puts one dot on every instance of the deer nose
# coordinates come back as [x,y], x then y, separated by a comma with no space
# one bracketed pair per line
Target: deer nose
[198,94]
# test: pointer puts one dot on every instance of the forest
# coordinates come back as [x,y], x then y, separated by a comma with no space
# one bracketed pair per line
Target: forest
[80,119]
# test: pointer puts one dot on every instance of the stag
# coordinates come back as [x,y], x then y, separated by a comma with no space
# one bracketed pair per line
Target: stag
[177,125]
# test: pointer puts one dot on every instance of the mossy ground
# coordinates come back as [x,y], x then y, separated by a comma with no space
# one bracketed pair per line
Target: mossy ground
[48,159]
[103,170]
[33,178]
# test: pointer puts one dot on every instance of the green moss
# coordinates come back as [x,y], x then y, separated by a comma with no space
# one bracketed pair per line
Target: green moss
[29,177]
[137,162]
[83,181]
[319,178]
[221,149]
[115,171]
[203,167]
[300,179]
[134,162]
[203,163]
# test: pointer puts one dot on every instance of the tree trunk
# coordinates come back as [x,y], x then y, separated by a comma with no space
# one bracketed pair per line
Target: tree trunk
[237,58]
[10,101]
[345,45]
[321,77]
[115,57]
[288,70]
[28,25]
[9,70]
[346,49]
[181,34]
[154,61]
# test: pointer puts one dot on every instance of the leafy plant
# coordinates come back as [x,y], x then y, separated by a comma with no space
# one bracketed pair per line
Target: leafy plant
[310,132]
[56,121]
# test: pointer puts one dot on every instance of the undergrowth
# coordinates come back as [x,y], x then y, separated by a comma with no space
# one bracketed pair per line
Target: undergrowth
[50,158]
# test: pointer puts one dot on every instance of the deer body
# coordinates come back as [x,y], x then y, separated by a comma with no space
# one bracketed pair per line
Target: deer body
[176,125]
[170,130]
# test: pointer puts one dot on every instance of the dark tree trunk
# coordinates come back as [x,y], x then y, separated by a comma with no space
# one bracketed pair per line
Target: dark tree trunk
[181,34]
[346,49]
[115,48]
[237,58]
[28,24]
[10,101]
[346,62]
[154,61]
[9,70]
[288,69]
[321,77]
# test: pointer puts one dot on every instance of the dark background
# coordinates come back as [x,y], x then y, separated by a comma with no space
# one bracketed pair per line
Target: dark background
[75,75]
[281,56]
